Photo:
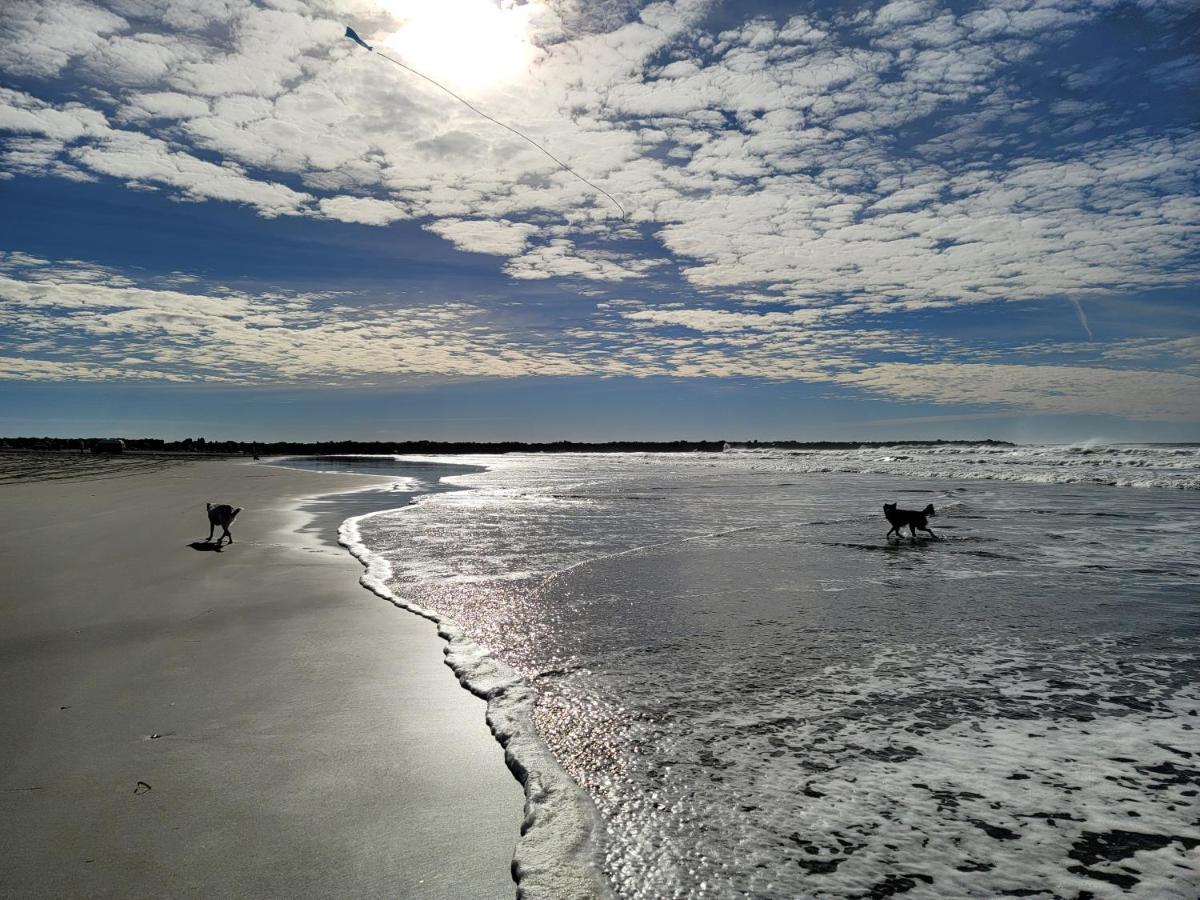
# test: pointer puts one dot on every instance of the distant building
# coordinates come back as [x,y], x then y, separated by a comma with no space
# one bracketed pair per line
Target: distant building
[109,445]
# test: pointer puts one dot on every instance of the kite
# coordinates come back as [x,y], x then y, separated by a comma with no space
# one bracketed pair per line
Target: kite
[353,35]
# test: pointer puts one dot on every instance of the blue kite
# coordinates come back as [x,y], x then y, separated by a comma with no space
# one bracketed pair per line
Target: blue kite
[353,35]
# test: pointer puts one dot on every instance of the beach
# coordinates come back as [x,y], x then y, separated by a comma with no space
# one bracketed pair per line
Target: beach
[716,675]
[248,723]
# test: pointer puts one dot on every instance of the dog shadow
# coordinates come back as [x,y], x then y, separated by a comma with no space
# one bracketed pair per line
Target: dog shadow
[215,546]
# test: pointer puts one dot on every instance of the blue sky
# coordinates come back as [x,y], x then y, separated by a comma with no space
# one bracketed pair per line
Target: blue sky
[909,219]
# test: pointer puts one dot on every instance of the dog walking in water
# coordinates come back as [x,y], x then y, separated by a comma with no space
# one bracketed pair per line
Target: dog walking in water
[222,515]
[910,517]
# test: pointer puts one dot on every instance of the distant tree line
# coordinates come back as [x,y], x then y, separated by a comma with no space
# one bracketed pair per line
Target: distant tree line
[336,448]
[855,445]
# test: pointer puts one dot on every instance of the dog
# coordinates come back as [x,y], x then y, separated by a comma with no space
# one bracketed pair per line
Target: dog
[222,515]
[910,517]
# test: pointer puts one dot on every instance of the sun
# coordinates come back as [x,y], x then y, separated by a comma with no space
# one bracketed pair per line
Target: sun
[473,45]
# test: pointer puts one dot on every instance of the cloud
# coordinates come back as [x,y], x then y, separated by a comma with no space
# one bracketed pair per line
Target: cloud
[560,258]
[42,38]
[790,183]
[761,155]
[39,156]
[722,321]
[1187,348]
[75,320]
[79,321]
[23,114]
[1146,395]
[363,210]
[498,237]
[165,105]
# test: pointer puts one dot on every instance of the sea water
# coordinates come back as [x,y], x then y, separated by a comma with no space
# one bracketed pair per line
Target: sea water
[721,677]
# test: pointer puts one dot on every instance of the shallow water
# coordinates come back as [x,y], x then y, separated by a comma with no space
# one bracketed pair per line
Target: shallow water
[764,696]
[405,480]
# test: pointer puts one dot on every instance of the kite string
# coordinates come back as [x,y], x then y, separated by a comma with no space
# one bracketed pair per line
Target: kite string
[519,134]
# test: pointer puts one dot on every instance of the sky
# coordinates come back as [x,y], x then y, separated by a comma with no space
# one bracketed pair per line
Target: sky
[811,220]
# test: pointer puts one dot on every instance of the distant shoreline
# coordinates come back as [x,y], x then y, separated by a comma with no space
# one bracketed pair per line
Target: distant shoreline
[341,448]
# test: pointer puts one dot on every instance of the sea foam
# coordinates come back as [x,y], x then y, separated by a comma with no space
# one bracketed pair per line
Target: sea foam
[1121,465]
[762,695]
[557,857]
[715,677]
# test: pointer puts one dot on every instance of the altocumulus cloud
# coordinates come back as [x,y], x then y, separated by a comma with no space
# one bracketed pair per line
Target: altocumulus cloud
[84,322]
[1079,389]
[182,328]
[802,179]
[65,311]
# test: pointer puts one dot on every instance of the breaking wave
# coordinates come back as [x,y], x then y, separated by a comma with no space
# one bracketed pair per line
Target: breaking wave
[1117,465]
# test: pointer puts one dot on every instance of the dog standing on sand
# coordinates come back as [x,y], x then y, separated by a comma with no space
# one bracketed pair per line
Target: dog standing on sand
[222,515]
[910,517]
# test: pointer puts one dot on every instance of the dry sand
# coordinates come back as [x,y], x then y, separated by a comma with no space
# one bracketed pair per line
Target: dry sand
[298,736]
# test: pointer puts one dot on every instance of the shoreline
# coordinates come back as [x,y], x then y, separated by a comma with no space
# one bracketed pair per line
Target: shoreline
[825,571]
[558,855]
[294,736]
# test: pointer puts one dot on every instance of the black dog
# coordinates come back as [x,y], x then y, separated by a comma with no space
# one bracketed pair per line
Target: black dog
[222,515]
[910,517]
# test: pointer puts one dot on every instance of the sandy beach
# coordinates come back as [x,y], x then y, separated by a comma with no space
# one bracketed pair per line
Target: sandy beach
[249,723]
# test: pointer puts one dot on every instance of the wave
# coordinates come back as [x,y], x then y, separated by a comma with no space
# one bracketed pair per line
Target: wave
[557,856]
[1120,465]
[546,518]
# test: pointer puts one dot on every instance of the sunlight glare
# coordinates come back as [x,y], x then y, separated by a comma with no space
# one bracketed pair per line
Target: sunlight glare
[468,44]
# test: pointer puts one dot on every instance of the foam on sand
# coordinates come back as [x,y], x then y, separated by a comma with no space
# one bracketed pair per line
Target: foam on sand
[557,856]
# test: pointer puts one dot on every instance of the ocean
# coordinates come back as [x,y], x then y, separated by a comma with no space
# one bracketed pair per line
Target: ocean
[719,678]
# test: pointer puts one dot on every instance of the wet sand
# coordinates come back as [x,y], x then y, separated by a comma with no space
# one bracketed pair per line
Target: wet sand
[249,723]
